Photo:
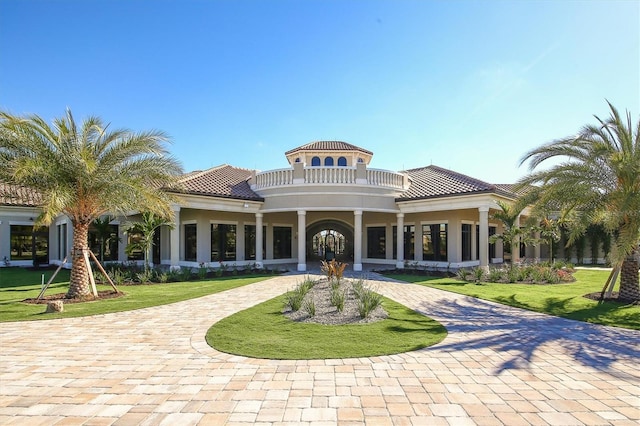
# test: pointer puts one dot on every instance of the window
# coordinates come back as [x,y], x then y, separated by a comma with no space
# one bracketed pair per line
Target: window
[409,242]
[21,239]
[434,242]
[328,161]
[298,160]
[29,243]
[190,242]
[466,242]
[315,161]
[134,246]
[104,243]
[282,242]
[342,162]
[223,242]
[492,246]
[376,242]
[62,241]
[250,242]
[360,160]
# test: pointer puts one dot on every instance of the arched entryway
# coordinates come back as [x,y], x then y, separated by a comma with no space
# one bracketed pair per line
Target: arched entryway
[329,239]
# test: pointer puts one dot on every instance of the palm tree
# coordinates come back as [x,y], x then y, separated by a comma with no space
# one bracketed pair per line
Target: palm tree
[596,179]
[512,233]
[146,228]
[85,172]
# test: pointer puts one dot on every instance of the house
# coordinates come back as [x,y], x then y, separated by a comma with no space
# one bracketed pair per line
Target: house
[326,204]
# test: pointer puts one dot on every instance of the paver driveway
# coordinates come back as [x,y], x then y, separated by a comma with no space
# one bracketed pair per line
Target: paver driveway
[498,365]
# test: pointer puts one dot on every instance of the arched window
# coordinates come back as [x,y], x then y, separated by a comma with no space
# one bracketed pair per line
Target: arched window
[342,162]
[360,160]
[328,161]
[298,160]
[315,161]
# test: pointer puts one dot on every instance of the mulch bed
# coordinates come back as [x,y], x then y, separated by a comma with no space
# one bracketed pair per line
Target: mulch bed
[104,294]
[614,298]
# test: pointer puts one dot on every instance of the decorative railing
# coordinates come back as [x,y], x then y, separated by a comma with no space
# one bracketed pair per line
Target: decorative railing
[329,176]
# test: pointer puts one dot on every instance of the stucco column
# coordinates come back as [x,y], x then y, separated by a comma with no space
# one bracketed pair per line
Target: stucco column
[357,240]
[483,255]
[174,237]
[400,241]
[259,238]
[302,241]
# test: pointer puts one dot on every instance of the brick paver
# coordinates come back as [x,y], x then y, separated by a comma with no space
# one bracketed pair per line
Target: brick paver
[497,366]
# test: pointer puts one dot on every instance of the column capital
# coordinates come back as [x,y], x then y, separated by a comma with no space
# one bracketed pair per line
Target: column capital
[357,212]
[302,212]
[399,215]
[175,208]
[483,208]
[258,214]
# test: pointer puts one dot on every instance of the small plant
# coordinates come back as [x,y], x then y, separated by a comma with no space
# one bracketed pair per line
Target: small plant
[337,298]
[163,277]
[478,274]
[333,269]
[310,307]
[294,298]
[368,302]
[184,274]
[203,270]
[461,274]
[117,276]
[357,288]
[144,276]
[495,275]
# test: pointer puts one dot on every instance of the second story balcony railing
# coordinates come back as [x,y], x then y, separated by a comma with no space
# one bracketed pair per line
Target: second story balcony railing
[319,175]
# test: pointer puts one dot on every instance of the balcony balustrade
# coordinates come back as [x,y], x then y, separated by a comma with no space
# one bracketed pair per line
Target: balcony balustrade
[319,175]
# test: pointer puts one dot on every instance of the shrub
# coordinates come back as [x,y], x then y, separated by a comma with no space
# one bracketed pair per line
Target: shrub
[203,270]
[478,274]
[337,298]
[357,288]
[368,302]
[144,276]
[310,307]
[163,277]
[333,269]
[461,274]
[495,275]
[294,298]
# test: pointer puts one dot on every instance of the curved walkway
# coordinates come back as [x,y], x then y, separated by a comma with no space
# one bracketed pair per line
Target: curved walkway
[498,365]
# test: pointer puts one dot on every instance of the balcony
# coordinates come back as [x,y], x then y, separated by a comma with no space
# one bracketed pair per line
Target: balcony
[319,175]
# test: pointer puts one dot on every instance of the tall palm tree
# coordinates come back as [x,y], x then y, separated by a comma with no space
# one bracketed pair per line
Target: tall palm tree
[596,179]
[85,171]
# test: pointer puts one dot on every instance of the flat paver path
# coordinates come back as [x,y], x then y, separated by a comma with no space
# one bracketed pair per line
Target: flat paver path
[498,365]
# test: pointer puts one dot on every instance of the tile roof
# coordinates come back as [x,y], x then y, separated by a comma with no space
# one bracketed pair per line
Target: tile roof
[434,181]
[328,146]
[221,181]
[14,195]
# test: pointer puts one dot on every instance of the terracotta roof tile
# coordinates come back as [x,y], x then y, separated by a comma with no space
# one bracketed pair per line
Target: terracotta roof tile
[328,146]
[14,195]
[434,181]
[222,181]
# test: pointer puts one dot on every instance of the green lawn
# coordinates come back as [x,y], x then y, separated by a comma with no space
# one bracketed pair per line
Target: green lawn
[563,300]
[264,332]
[17,284]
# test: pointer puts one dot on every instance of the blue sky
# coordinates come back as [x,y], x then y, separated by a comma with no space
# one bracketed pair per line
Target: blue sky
[465,85]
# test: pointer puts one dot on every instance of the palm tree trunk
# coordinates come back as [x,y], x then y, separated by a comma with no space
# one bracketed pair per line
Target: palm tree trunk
[629,281]
[79,282]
